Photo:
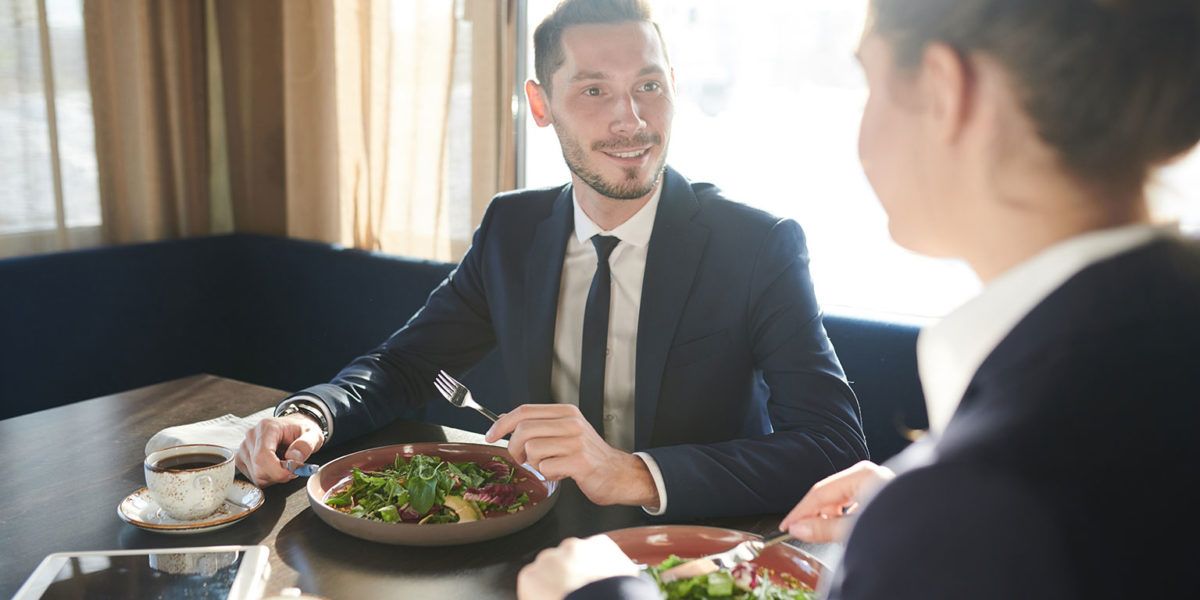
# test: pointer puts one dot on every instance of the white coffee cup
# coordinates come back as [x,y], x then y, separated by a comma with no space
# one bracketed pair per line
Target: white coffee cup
[189,481]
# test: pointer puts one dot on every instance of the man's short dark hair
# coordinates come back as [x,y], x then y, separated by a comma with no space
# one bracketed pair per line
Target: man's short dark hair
[547,38]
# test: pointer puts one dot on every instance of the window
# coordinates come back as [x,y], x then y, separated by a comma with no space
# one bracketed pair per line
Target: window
[769,98]
[49,197]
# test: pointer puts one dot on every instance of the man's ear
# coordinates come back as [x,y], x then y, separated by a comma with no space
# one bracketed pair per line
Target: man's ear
[539,103]
[947,85]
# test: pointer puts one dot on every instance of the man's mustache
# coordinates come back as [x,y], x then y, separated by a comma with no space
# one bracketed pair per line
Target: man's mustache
[640,140]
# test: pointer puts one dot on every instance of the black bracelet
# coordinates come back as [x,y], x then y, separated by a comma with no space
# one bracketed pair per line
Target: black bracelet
[311,411]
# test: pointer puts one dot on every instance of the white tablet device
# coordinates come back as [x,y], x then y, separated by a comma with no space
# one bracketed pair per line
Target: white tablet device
[211,573]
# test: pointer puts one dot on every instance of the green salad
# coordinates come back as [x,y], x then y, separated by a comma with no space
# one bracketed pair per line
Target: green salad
[743,582]
[427,489]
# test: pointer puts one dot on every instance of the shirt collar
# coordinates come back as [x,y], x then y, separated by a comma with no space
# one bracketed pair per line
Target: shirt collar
[635,231]
[952,350]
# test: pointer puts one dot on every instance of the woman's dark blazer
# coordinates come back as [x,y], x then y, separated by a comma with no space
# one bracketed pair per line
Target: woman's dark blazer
[1069,469]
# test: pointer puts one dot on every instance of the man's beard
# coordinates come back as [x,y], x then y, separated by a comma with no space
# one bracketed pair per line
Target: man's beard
[630,187]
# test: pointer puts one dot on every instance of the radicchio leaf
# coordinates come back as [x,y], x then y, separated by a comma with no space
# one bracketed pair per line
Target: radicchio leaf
[499,467]
[499,494]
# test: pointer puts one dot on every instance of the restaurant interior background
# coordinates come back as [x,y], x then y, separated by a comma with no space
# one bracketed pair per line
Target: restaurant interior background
[388,125]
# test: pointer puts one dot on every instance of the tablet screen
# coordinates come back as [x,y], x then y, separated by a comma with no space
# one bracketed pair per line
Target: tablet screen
[199,575]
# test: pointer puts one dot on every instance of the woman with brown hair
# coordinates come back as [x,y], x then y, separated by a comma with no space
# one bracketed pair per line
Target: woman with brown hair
[1020,136]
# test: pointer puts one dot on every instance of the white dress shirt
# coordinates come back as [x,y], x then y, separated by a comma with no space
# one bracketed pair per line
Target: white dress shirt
[951,351]
[628,266]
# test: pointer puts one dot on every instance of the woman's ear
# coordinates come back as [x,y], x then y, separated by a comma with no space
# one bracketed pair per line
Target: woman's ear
[539,103]
[947,86]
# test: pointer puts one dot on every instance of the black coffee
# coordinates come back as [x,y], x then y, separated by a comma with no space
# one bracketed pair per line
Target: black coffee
[185,462]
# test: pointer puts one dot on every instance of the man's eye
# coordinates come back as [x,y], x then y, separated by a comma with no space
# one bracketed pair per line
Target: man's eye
[592,91]
[651,86]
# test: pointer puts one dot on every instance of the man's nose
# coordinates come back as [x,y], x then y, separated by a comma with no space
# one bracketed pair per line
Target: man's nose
[627,119]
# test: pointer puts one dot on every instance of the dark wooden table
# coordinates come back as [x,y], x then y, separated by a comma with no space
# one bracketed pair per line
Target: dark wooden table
[66,469]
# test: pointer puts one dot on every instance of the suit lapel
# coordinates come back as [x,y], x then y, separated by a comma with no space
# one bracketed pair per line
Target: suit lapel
[676,246]
[543,275]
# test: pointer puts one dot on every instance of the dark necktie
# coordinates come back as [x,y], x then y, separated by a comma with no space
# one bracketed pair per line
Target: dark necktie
[595,336]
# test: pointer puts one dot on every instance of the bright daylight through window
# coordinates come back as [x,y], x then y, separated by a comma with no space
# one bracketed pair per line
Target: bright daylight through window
[769,97]
[41,77]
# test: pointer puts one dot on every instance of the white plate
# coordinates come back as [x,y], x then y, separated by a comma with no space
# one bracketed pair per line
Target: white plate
[140,510]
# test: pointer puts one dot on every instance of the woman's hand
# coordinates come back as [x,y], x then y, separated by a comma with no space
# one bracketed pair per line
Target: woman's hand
[819,515]
[573,564]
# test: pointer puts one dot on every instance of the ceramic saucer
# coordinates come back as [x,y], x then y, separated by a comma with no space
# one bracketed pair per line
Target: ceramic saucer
[140,510]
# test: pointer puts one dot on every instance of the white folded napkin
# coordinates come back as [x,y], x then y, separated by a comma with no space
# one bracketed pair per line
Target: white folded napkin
[225,430]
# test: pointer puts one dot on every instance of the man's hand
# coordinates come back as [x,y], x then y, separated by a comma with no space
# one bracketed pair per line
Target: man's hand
[819,515]
[573,564]
[258,458]
[556,440]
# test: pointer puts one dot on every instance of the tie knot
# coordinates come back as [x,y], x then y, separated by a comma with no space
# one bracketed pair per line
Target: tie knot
[604,246]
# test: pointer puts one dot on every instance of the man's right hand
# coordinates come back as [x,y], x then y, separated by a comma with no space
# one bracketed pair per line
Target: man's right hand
[258,456]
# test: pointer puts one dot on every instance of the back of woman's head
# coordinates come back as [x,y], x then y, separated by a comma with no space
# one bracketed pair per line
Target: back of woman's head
[1112,85]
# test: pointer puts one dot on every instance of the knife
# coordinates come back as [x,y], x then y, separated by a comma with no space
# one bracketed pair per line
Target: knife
[300,469]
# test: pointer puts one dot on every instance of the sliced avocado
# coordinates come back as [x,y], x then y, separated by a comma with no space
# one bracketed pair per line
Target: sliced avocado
[466,510]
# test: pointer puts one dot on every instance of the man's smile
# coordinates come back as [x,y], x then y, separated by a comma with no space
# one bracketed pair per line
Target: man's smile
[630,157]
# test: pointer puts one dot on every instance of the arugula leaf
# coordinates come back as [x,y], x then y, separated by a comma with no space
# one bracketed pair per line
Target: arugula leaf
[422,493]
[389,514]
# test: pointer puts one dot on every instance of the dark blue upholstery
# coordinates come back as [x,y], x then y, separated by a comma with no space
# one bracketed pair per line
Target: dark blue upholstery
[81,324]
[880,359]
[286,314]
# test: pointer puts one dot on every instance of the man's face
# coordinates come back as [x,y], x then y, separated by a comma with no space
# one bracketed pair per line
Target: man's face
[611,104]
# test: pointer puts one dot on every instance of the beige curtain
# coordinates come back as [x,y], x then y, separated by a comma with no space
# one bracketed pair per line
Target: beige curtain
[249,40]
[493,84]
[329,119]
[337,118]
[453,75]
[416,217]
[146,63]
[337,85]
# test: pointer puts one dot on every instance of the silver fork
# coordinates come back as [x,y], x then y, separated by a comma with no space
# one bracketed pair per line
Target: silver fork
[459,395]
[743,552]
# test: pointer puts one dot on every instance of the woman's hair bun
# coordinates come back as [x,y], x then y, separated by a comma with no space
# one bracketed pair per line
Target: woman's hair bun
[1113,85]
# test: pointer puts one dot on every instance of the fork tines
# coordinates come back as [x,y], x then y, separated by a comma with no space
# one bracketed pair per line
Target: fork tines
[450,388]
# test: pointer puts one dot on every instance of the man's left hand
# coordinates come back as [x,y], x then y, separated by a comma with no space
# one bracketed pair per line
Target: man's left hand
[556,440]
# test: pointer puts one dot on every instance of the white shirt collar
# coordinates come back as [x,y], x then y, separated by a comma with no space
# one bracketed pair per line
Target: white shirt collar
[952,350]
[635,231]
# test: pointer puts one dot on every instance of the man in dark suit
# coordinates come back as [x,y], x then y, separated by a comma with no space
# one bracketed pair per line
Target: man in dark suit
[664,341]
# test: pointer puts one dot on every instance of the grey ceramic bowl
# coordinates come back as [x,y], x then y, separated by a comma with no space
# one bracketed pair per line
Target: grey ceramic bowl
[333,475]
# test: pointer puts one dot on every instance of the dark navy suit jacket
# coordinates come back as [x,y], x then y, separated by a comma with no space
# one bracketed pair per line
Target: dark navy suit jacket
[739,396]
[1069,469]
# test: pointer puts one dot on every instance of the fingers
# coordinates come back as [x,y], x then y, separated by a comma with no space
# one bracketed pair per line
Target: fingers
[265,466]
[302,447]
[819,530]
[824,499]
[574,563]
[509,421]
[547,577]
[832,496]
[536,429]
[257,457]
[556,469]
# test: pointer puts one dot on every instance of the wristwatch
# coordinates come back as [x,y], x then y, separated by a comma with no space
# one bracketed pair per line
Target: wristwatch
[308,410]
